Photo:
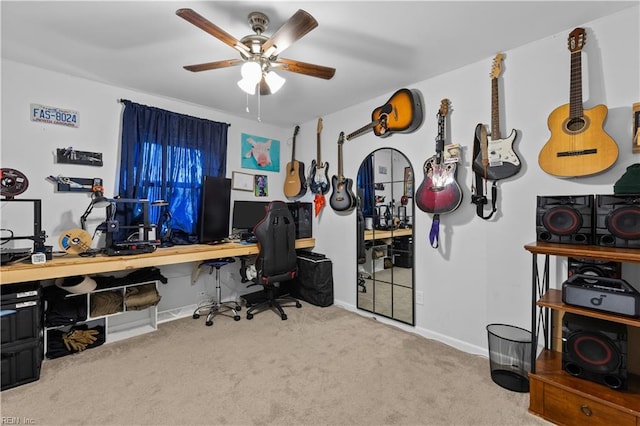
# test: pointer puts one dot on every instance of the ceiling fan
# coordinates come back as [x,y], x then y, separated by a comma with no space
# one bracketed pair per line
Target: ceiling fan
[260,54]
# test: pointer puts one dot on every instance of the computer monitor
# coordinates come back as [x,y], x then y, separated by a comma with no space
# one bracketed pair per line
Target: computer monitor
[213,222]
[246,214]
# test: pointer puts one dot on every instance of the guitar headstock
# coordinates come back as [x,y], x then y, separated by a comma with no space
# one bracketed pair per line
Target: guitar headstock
[496,67]
[319,125]
[295,131]
[444,107]
[341,138]
[577,39]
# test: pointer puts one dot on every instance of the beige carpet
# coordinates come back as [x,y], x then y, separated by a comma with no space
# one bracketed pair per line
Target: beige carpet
[323,366]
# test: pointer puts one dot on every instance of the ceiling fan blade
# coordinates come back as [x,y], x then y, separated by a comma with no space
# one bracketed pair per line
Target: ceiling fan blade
[304,68]
[213,65]
[199,21]
[295,28]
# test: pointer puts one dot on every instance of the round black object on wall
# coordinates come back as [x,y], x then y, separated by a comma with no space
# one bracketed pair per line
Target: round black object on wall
[562,220]
[595,350]
[625,222]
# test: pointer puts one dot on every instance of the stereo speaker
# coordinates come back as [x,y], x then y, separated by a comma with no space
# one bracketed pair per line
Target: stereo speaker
[595,268]
[303,218]
[595,350]
[618,220]
[565,219]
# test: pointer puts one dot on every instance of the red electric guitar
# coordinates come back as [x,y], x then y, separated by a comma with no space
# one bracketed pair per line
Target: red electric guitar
[439,192]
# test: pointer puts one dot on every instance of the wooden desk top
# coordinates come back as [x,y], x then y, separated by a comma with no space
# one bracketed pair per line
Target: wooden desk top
[71,265]
[380,235]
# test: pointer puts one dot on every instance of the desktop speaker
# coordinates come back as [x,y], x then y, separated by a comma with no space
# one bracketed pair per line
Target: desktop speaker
[618,220]
[565,219]
[303,218]
[595,350]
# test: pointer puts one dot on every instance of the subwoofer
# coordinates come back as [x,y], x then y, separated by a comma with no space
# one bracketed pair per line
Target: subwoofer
[595,350]
[565,219]
[618,220]
[592,267]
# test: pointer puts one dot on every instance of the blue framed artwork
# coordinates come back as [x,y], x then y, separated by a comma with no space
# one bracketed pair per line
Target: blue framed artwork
[260,153]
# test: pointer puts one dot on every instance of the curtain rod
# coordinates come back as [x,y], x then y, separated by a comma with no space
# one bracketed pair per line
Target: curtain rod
[127,100]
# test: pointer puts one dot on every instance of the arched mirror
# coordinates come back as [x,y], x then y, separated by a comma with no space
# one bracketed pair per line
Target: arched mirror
[384,187]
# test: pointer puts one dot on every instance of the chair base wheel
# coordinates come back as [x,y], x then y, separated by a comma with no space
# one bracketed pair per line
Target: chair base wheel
[209,323]
[298,305]
[236,318]
[196,316]
[249,316]
[283,316]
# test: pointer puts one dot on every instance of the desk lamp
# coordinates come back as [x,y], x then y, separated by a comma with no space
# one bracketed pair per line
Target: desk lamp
[97,200]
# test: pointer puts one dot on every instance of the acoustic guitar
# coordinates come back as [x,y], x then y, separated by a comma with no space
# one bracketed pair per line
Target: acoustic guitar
[402,113]
[295,185]
[439,192]
[497,160]
[319,173]
[578,146]
[342,198]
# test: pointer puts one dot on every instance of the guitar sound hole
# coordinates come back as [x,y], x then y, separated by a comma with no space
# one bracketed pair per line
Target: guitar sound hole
[575,124]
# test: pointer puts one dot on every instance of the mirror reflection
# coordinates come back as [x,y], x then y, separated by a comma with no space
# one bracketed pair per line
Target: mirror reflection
[385,186]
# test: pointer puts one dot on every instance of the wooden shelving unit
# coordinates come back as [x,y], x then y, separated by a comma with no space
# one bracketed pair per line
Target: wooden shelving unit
[554,394]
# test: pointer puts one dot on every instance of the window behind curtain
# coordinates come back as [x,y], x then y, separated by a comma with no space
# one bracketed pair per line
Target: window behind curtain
[164,156]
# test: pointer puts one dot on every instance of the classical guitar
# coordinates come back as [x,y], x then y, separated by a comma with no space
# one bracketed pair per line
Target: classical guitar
[402,113]
[439,192]
[319,172]
[342,197]
[295,184]
[498,159]
[578,146]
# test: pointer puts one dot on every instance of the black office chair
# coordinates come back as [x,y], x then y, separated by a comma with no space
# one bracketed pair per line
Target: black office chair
[277,260]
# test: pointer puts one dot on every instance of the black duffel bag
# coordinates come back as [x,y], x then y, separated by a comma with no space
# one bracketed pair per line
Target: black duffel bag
[314,282]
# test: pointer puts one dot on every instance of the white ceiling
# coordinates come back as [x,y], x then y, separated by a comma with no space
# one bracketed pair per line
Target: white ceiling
[376,47]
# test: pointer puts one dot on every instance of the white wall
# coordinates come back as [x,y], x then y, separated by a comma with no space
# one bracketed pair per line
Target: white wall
[480,274]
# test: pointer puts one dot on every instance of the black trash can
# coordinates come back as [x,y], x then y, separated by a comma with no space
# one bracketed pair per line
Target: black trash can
[510,356]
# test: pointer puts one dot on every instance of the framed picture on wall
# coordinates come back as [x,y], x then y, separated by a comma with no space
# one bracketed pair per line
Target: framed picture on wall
[408,182]
[242,181]
[261,187]
[259,153]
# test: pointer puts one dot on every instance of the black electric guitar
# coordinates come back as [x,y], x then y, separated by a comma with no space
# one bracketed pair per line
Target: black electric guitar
[342,199]
[439,192]
[295,184]
[578,146]
[319,173]
[497,160]
[402,113]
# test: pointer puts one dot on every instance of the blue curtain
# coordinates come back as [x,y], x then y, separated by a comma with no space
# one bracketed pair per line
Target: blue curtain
[365,184]
[164,155]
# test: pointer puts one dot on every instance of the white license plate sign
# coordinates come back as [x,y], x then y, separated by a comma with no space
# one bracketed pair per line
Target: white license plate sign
[53,115]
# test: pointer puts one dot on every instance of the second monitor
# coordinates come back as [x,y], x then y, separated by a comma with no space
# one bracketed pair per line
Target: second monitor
[246,214]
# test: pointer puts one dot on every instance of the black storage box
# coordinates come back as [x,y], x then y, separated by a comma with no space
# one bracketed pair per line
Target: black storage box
[21,313]
[314,282]
[21,363]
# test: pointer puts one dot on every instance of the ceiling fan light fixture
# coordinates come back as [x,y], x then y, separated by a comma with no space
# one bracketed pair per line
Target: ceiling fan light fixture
[247,86]
[251,71]
[274,81]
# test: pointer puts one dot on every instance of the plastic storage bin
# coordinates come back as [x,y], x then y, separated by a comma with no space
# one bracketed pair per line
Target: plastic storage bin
[510,356]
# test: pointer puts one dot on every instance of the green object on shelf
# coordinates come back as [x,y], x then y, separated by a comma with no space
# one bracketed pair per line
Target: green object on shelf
[629,183]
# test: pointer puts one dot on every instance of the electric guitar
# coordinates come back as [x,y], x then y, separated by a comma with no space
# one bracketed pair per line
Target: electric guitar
[498,159]
[342,198]
[295,184]
[319,173]
[578,146]
[439,192]
[402,113]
